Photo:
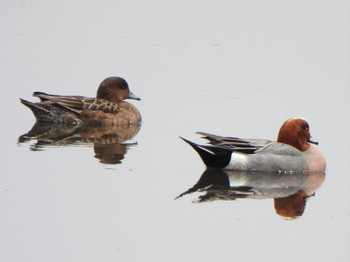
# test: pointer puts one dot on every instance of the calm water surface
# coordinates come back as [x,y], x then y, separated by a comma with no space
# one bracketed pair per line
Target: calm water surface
[237,69]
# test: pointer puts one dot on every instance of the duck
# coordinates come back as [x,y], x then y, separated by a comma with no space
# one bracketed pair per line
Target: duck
[294,151]
[108,108]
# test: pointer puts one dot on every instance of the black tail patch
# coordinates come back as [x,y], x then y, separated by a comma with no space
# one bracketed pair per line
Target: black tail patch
[212,156]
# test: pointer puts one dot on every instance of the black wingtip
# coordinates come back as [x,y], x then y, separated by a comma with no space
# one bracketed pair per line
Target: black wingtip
[212,156]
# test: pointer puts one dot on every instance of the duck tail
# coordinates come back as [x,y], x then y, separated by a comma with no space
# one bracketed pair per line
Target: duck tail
[212,155]
[48,111]
[37,110]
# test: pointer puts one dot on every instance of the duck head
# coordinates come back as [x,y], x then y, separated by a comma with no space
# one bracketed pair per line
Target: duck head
[115,89]
[296,132]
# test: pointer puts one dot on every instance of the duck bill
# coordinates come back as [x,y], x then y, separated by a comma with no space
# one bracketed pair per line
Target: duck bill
[311,140]
[132,96]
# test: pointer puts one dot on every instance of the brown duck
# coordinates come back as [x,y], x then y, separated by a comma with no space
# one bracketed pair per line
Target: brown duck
[108,108]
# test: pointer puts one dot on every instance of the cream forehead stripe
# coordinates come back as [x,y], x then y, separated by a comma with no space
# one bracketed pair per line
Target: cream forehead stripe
[299,117]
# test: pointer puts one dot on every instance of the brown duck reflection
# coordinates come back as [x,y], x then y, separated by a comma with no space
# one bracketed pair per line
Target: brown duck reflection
[288,190]
[109,142]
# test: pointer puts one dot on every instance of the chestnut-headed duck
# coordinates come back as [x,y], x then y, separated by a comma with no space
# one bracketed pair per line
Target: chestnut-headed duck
[108,108]
[294,151]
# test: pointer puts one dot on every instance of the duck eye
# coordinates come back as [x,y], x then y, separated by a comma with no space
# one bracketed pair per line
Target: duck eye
[306,127]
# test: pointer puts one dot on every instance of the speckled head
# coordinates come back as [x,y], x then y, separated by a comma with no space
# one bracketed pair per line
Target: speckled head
[115,89]
[295,132]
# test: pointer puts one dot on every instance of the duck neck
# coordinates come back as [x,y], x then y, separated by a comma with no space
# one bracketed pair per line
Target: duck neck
[293,140]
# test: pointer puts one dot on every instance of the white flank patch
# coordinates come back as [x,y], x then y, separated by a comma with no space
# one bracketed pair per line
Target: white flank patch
[238,161]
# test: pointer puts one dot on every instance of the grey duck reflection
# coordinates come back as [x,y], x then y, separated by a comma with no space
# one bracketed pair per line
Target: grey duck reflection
[289,191]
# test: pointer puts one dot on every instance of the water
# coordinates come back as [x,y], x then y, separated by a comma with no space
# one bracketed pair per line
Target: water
[237,69]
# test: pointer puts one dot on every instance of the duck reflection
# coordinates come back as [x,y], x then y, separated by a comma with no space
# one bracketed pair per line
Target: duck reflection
[109,142]
[288,190]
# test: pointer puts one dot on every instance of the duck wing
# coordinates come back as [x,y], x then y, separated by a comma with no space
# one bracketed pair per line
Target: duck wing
[72,103]
[235,144]
[78,103]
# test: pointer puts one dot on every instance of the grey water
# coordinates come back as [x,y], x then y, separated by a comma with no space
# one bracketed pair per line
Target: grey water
[235,68]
